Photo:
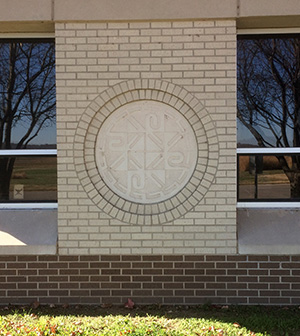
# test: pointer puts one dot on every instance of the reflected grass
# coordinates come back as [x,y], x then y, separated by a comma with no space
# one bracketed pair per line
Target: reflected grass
[267,177]
[35,173]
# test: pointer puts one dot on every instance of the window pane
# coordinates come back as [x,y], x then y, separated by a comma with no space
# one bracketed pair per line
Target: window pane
[27,94]
[268,72]
[33,178]
[266,177]
[27,118]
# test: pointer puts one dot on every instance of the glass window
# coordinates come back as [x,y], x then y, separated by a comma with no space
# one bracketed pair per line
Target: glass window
[268,91]
[265,178]
[33,178]
[27,120]
[268,117]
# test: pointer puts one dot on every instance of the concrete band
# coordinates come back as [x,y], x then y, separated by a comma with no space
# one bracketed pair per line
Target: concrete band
[249,14]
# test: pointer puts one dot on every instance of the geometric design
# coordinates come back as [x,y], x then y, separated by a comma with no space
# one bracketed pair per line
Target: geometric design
[114,158]
[146,151]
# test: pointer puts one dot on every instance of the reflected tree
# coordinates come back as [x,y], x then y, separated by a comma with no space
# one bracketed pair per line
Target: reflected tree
[27,98]
[268,90]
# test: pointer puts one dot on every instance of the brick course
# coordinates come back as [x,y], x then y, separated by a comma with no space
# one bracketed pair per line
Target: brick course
[165,279]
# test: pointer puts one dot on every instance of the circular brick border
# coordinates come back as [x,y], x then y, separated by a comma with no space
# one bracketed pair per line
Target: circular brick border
[85,159]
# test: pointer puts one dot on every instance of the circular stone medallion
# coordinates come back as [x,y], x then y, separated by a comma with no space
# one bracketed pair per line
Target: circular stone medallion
[146,151]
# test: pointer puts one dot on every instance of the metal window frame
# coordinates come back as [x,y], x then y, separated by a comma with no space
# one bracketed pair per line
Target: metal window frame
[29,206]
[264,204]
[27,35]
[268,205]
[28,152]
[268,151]
[268,31]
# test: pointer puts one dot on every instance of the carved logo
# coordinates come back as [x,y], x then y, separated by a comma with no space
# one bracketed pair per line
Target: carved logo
[146,151]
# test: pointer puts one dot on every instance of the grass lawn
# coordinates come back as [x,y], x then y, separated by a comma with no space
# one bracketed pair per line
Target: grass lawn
[150,320]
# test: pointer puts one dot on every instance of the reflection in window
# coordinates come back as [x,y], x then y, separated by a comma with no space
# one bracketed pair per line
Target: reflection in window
[269,91]
[265,177]
[27,109]
[33,178]
[268,111]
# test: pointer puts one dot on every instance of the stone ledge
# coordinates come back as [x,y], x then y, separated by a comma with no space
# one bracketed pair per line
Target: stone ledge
[28,250]
[28,231]
[268,231]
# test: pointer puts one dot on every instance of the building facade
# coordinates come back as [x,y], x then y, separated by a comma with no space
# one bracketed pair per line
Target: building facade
[146,109]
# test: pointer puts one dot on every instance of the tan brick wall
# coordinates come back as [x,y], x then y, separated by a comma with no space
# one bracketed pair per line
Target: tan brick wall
[198,56]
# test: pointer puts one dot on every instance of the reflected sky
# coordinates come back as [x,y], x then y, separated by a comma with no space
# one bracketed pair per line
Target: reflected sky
[45,138]
[268,91]
[27,93]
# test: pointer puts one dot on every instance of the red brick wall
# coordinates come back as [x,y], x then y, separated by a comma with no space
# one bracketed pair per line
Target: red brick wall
[150,279]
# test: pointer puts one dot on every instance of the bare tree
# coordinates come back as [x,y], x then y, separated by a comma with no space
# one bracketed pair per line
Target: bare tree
[27,98]
[269,96]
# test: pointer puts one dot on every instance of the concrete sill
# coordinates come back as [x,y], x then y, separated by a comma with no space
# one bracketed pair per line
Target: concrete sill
[28,231]
[268,231]
[28,249]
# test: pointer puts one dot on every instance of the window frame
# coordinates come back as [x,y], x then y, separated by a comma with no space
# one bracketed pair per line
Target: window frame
[268,151]
[28,152]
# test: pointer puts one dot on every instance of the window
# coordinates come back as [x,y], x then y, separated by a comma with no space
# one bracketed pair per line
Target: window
[27,123]
[268,111]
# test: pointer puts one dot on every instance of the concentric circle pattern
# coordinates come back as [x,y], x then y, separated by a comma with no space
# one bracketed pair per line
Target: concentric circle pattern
[146,151]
